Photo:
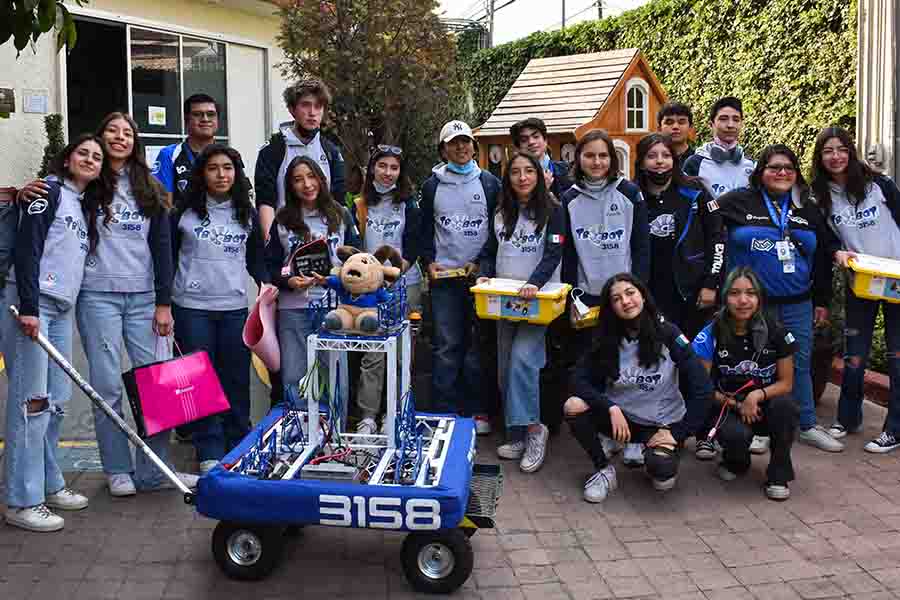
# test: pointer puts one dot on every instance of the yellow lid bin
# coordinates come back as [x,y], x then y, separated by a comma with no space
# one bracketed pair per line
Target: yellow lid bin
[499,299]
[875,278]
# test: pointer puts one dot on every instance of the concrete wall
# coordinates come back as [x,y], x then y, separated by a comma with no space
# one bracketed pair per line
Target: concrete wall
[22,138]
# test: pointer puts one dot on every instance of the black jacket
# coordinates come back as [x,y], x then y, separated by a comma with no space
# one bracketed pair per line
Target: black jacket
[268,163]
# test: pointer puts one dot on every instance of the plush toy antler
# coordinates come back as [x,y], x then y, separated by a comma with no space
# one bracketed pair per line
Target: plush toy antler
[345,252]
[390,254]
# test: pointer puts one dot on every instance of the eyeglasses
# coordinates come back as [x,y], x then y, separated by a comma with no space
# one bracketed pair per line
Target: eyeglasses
[786,169]
[199,114]
[393,150]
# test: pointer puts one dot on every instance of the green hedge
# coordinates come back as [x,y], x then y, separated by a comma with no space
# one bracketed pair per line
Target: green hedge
[792,62]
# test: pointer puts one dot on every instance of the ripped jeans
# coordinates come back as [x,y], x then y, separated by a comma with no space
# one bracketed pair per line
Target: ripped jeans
[859,326]
[32,438]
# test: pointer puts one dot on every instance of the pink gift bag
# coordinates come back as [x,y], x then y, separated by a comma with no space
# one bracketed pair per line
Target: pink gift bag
[169,393]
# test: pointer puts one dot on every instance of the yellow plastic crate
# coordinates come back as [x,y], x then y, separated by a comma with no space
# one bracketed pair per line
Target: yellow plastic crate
[499,299]
[875,278]
[591,320]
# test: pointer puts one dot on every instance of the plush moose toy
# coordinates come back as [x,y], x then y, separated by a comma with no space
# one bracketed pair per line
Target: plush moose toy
[360,287]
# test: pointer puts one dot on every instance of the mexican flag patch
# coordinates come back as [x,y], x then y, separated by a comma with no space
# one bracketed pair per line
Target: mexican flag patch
[557,239]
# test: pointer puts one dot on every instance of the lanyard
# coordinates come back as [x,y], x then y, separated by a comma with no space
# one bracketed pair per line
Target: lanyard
[190,154]
[782,223]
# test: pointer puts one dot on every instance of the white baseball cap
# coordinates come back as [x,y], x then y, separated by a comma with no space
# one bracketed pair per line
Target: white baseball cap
[455,129]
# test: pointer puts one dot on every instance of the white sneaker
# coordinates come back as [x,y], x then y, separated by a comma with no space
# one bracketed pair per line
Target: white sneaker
[367,426]
[777,491]
[818,437]
[188,479]
[664,485]
[838,431]
[120,485]
[634,455]
[66,499]
[725,474]
[882,444]
[705,450]
[206,466]
[34,518]
[512,450]
[535,449]
[600,484]
[610,446]
[482,424]
[760,444]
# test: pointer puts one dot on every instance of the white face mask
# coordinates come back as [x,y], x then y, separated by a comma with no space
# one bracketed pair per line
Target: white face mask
[384,189]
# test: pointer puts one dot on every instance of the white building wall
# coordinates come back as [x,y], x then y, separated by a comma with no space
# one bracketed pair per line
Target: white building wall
[255,23]
[876,98]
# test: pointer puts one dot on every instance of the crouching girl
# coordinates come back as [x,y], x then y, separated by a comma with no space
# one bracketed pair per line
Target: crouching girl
[627,387]
[525,243]
[750,359]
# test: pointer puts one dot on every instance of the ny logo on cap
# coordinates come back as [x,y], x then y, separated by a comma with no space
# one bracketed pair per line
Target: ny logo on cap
[457,126]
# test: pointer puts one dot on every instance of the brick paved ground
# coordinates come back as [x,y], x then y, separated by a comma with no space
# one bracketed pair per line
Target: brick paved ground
[837,537]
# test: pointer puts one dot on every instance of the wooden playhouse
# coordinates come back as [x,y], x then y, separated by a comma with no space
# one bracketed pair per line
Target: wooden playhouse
[615,90]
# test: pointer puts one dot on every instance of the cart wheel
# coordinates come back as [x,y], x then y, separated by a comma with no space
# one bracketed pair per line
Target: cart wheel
[437,562]
[247,552]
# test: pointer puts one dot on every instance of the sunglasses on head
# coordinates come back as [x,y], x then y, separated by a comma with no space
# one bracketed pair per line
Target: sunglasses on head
[392,150]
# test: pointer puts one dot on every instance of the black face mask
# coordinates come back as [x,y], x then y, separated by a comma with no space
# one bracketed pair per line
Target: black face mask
[658,178]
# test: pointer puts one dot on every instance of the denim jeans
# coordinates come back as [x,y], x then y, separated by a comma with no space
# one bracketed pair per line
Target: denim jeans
[797,318]
[294,326]
[521,354]
[455,371]
[859,326]
[32,439]
[219,332]
[107,322]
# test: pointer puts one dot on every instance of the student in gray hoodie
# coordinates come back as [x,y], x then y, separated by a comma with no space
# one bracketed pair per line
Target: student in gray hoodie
[217,241]
[457,202]
[53,240]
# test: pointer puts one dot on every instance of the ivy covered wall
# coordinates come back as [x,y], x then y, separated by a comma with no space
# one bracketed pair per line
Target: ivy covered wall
[792,62]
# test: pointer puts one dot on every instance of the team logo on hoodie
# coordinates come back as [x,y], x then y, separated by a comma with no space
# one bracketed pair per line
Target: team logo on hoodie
[750,368]
[524,242]
[387,227]
[646,382]
[76,226]
[663,226]
[762,245]
[129,219]
[231,241]
[467,225]
[598,236]
[859,218]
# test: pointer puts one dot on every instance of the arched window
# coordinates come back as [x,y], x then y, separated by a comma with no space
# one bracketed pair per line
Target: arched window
[623,153]
[637,94]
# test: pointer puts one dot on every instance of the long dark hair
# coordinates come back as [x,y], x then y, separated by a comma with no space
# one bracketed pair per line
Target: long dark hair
[400,193]
[290,216]
[240,190]
[612,329]
[679,179]
[592,136]
[540,202]
[148,193]
[723,324]
[96,191]
[764,158]
[859,174]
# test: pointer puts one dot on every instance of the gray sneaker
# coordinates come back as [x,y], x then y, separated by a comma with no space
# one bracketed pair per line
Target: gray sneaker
[66,499]
[777,491]
[512,450]
[818,437]
[838,431]
[120,485]
[634,455]
[600,484]
[535,449]
[34,518]
[760,444]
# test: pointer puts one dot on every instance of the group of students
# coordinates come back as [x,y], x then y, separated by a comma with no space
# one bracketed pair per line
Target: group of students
[132,258]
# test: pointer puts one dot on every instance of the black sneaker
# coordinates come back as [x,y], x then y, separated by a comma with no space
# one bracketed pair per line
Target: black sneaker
[705,450]
[882,444]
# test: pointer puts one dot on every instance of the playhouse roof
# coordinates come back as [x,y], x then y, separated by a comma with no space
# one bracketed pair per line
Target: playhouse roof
[565,91]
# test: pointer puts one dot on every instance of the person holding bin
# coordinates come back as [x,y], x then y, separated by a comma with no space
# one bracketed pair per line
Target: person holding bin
[525,244]
[863,209]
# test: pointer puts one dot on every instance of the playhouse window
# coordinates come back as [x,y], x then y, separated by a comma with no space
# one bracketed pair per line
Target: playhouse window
[623,153]
[637,95]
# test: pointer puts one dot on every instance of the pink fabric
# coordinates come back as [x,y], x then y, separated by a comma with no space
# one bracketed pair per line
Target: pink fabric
[259,331]
[178,391]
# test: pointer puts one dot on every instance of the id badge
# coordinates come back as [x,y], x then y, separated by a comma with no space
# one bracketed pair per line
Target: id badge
[783,249]
[789,266]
